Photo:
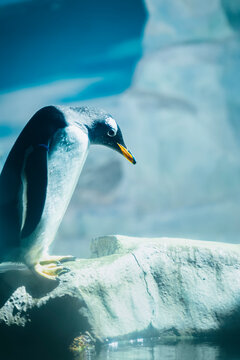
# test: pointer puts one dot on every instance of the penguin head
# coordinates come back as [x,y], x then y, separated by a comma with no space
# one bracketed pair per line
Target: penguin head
[105,131]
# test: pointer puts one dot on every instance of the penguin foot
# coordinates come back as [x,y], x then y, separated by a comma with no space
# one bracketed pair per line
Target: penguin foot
[56,259]
[50,271]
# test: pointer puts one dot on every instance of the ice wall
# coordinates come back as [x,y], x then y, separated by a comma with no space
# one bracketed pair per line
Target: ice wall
[181,120]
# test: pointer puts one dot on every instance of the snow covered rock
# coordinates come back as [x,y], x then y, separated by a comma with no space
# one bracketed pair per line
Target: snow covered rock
[130,287]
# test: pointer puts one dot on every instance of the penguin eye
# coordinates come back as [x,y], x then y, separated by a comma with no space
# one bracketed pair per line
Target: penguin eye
[111,133]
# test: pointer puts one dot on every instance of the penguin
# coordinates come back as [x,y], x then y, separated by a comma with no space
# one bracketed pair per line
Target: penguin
[39,176]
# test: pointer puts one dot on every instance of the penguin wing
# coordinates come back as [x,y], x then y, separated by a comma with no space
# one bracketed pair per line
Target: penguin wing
[36,173]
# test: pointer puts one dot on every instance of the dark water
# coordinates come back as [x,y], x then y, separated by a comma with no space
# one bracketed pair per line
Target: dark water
[153,350]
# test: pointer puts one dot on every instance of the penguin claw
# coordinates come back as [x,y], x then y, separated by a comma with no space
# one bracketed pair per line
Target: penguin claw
[58,259]
[64,270]
[50,271]
[67,258]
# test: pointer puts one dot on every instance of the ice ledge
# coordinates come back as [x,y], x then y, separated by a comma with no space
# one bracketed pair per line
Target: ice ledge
[120,244]
[132,287]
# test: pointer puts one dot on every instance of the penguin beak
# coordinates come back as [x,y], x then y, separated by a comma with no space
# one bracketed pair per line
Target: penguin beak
[127,154]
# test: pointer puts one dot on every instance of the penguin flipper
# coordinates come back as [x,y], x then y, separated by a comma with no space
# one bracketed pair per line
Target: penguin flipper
[36,173]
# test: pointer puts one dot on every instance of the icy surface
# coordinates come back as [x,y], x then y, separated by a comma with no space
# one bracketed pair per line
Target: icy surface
[133,288]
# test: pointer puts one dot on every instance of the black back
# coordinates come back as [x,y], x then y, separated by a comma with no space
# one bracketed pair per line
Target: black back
[34,138]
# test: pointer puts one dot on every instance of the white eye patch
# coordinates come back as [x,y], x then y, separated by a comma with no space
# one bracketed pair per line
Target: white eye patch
[112,123]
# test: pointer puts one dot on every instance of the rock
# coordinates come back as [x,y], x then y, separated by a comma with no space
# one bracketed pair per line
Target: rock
[131,287]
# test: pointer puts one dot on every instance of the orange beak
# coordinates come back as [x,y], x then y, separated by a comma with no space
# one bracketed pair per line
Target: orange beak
[127,154]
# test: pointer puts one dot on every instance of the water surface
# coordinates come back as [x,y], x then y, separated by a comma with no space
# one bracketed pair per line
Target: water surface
[154,350]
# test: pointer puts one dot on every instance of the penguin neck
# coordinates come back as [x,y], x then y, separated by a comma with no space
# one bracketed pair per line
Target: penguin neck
[75,116]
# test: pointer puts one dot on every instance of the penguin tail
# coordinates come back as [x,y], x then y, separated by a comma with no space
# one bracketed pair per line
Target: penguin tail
[8,266]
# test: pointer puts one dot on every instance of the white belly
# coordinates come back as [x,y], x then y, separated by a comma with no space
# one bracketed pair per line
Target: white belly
[67,155]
